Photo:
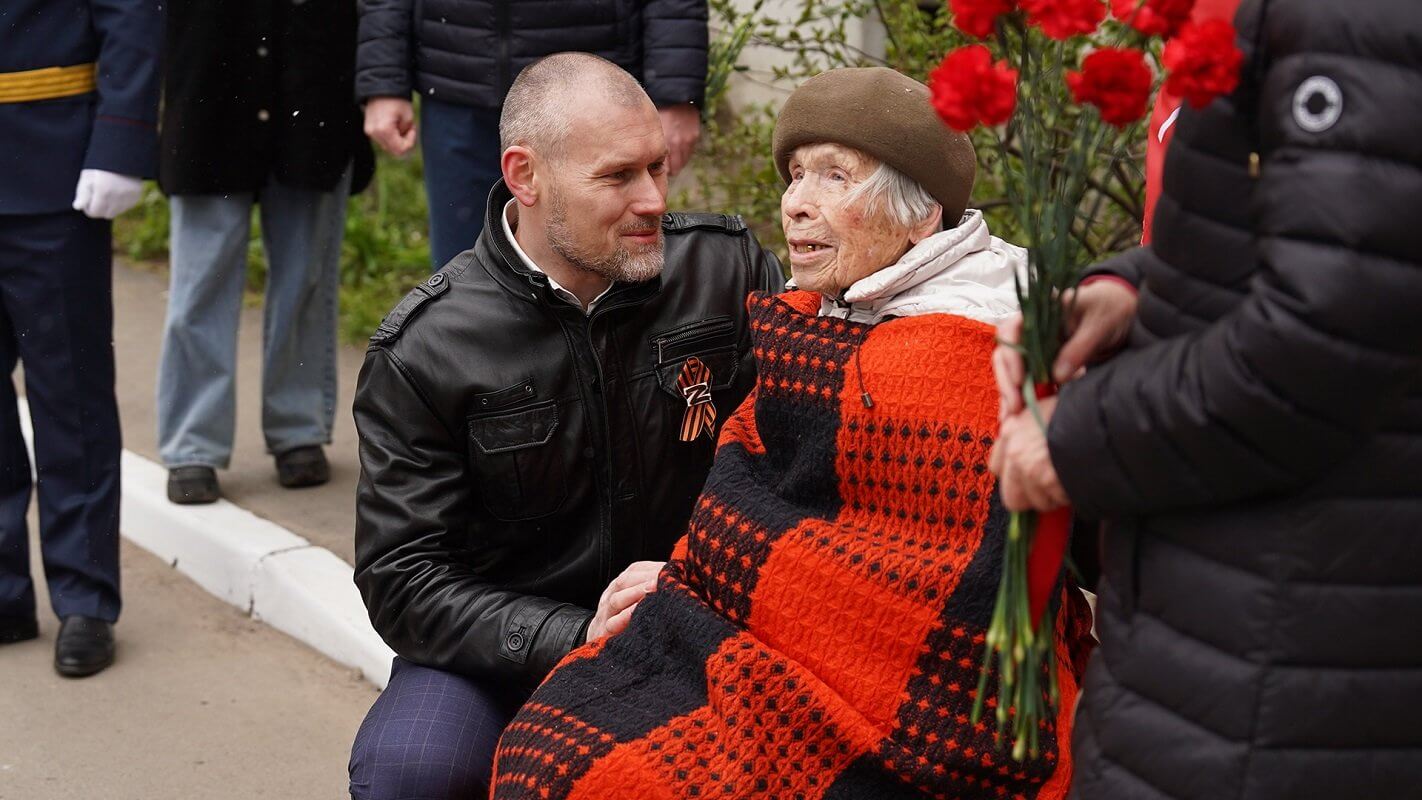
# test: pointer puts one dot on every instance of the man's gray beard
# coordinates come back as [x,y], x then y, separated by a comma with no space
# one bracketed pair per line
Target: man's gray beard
[621,265]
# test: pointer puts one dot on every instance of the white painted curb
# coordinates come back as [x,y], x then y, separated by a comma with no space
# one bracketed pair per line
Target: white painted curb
[262,568]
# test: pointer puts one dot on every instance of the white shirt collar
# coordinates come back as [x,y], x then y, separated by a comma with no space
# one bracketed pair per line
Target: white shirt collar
[558,290]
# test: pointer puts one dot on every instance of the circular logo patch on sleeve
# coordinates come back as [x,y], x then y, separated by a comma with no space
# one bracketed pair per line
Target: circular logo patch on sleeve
[1318,103]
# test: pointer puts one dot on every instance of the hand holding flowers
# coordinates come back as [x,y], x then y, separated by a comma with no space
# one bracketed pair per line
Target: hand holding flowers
[1061,90]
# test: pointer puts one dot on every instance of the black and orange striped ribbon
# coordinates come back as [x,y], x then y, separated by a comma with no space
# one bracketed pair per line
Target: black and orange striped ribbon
[695,385]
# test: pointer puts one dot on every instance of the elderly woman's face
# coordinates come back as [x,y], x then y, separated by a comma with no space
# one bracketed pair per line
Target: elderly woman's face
[834,238]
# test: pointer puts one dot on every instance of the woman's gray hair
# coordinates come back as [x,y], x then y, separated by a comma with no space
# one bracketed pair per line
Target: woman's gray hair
[900,197]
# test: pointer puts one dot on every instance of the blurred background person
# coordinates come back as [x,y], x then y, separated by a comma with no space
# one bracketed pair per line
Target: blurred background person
[258,111]
[461,56]
[78,106]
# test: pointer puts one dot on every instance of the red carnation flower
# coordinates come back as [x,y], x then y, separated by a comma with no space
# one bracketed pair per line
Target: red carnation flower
[977,17]
[1153,17]
[1202,62]
[967,88]
[1116,81]
[1063,19]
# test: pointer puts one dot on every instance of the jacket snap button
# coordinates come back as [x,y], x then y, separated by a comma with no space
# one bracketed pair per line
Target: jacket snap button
[436,280]
[515,642]
[528,390]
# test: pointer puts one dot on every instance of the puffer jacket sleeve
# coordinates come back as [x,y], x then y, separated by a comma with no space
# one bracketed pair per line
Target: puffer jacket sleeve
[674,42]
[1321,351]
[1126,266]
[384,49]
[413,548]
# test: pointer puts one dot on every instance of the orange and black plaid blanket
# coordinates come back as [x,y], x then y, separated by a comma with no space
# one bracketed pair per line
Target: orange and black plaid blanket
[818,632]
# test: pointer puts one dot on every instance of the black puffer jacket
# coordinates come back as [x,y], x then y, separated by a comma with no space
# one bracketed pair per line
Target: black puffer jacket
[516,454]
[1258,449]
[469,51]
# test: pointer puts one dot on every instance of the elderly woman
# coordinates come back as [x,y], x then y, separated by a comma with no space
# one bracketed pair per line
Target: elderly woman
[818,631]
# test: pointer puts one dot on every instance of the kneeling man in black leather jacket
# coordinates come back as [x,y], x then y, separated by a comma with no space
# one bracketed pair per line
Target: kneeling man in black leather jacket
[534,422]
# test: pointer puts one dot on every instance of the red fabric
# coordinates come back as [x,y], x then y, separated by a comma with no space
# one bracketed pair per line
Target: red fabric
[1166,106]
[819,631]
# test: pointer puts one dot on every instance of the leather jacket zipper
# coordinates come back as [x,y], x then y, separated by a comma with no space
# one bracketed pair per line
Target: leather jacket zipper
[605,558]
[696,332]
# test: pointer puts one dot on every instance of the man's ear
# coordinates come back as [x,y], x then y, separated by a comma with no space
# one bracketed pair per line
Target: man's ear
[517,164]
[929,226]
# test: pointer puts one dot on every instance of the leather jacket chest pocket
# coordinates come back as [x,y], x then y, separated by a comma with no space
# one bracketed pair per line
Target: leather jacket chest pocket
[713,341]
[516,462]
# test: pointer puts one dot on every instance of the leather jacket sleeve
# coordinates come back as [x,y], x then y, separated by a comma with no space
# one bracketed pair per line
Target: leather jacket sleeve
[413,548]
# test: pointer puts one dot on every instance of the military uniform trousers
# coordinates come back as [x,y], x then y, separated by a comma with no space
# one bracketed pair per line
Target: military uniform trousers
[56,318]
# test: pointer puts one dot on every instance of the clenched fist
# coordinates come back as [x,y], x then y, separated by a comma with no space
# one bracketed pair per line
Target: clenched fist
[390,123]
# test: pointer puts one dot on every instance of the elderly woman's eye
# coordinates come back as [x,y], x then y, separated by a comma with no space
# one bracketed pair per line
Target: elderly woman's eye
[838,177]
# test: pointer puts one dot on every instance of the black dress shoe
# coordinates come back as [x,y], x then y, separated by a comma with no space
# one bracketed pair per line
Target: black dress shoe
[85,646]
[193,485]
[302,466]
[17,629]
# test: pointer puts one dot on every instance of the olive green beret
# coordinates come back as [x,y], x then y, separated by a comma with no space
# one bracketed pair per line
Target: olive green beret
[887,115]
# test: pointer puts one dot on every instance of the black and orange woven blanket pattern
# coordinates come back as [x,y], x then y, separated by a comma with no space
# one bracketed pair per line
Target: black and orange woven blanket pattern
[817,633]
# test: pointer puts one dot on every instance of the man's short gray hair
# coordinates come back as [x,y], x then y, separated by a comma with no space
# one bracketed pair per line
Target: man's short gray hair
[901,198]
[535,113]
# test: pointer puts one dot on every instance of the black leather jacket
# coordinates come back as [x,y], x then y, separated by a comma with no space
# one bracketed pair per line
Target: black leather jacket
[517,454]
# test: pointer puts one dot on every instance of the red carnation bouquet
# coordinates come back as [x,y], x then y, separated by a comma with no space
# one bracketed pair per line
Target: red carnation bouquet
[1061,87]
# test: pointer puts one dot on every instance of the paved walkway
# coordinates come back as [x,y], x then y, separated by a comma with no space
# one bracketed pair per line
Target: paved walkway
[203,702]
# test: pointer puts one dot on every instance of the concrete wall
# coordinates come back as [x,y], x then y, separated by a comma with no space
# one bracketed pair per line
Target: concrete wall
[756,85]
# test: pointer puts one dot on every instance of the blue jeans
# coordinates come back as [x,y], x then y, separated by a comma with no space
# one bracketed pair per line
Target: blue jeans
[460,145]
[431,735]
[301,233]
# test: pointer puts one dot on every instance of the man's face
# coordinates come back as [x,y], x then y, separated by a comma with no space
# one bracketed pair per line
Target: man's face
[608,191]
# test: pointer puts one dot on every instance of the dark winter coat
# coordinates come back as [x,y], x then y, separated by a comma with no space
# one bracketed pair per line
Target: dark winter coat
[256,89]
[1258,449]
[516,454]
[469,51]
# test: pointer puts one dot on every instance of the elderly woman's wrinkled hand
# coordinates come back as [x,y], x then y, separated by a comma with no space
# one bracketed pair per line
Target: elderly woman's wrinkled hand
[1098,318]
[1026,478]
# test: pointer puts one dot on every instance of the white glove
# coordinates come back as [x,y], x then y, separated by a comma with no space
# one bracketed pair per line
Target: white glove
[105,195]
